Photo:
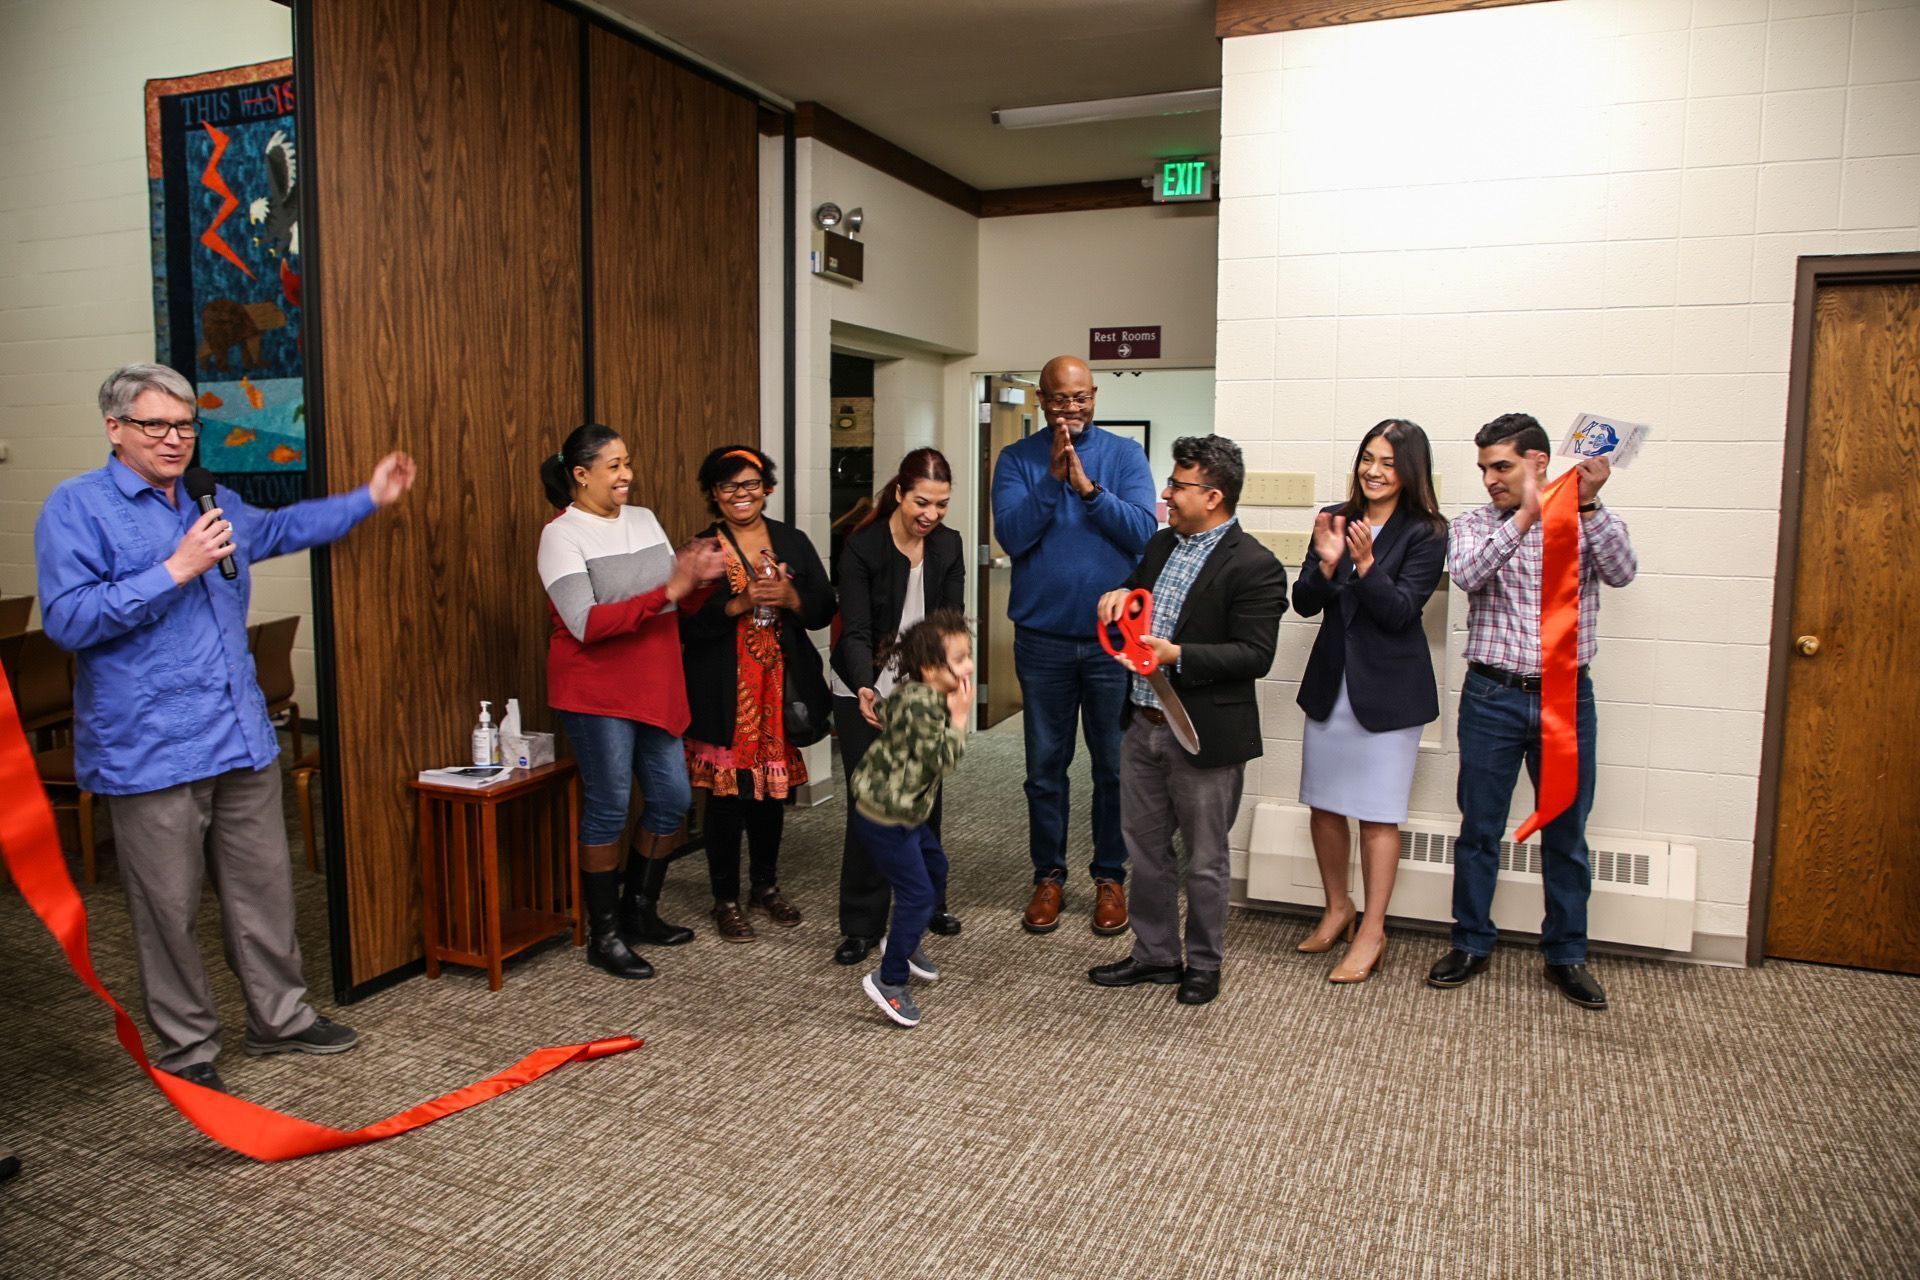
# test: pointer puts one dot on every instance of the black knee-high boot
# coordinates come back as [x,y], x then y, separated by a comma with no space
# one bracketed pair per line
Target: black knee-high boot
[605,947]
[640,920]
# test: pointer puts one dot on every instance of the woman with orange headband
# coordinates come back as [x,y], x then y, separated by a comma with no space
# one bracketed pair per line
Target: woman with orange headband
[754,685]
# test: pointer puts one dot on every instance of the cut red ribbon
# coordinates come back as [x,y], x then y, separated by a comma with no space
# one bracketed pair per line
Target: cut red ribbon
[30,845]
[1559,653]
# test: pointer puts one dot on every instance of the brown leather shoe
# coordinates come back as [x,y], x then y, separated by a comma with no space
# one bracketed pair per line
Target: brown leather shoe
[730,924]
[1043,911]
[778,909]
[1109,908]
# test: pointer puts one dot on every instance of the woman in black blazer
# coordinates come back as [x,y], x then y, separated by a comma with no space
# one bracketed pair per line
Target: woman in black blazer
[899,565]
[1368,687]
[739,650]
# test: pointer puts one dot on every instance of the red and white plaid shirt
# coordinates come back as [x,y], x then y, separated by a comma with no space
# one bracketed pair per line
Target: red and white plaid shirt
[1500,571]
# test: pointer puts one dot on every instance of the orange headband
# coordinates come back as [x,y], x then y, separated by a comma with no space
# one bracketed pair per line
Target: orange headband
[751,457]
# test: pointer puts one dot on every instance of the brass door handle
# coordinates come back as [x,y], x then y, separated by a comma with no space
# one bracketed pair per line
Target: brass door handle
[1807,645]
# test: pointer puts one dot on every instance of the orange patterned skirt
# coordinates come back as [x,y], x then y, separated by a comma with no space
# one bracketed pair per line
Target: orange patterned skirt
[758,756]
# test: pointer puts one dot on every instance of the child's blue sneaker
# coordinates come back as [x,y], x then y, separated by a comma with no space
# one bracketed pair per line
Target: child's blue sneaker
[893,1001]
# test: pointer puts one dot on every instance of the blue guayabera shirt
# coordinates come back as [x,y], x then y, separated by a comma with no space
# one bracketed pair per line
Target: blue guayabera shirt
[166,691]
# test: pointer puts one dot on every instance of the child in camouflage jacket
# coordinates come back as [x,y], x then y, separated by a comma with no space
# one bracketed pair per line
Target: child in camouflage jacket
[922,736]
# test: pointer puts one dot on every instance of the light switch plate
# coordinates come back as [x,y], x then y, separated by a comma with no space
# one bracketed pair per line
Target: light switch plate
[1278,489]
[1288,547]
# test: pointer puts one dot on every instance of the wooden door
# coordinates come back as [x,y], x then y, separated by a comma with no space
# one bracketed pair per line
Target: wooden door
[1846,863]
[1008,422]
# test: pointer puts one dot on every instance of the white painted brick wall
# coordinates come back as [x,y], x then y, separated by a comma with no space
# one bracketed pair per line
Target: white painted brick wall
[1590,204]
[76,274]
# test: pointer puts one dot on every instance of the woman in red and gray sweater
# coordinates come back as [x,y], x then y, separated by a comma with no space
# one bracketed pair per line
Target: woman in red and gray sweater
[614,588]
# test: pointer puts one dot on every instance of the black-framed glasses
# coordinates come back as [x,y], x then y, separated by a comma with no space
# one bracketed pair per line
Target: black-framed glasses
[1190,484]
[157,428]
[1060,400]
[728,488]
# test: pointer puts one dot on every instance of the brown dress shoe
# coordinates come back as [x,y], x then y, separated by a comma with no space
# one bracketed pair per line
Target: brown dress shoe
[1043,911]
[1109,908]
[730,924]
[778,909]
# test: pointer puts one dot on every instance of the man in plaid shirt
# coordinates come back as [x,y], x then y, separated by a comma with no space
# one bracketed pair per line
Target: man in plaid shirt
[1494,553]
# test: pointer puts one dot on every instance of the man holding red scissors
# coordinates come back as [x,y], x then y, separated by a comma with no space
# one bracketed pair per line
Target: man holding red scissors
[1217,599]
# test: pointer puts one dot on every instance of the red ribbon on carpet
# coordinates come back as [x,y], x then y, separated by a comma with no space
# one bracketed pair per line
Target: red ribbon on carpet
[1559,653]
[30,845]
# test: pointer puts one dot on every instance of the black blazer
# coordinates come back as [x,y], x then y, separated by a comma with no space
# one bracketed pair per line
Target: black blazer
[707,637]
[1370,628]
[1226,633]
[873,593]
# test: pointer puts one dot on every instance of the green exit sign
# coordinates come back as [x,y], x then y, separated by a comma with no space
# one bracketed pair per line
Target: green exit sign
[1183,180]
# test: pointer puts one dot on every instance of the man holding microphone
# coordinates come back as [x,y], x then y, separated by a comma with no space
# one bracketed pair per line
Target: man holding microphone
[169,722]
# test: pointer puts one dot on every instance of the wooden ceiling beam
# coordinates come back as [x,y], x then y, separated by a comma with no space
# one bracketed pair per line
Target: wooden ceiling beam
[1263,17]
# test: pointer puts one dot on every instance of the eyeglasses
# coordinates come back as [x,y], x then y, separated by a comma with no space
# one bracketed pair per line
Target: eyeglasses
[1060,400]
[157,428]
[1191,484]
[728,488]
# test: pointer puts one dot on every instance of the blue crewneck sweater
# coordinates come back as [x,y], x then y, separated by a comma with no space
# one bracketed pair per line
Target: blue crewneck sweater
[1066,550]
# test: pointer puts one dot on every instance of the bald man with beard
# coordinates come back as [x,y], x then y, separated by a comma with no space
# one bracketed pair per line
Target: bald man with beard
[1074,507]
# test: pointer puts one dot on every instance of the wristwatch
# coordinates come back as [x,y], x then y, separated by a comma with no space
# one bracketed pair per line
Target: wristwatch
[1590,507]
[1093,493]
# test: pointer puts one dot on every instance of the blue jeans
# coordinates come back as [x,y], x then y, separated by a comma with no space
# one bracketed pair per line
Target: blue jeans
[916,867]
[1499,728]
[612,753]
[1059,679]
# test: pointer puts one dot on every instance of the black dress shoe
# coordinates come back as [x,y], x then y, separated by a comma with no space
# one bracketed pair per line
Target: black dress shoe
[1577,983]
[1131,973]
[944,923]
[1199,986]
[853,950]
[203,1074]
[1455,968]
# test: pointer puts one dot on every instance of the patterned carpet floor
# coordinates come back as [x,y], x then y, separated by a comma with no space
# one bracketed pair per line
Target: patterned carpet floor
[1712,1123]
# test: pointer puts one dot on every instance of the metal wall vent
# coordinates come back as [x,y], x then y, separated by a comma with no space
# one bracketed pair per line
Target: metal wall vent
[1610,865]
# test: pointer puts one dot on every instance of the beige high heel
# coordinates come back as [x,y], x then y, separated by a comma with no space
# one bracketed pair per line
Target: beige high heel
[1352,969]
[1317,943]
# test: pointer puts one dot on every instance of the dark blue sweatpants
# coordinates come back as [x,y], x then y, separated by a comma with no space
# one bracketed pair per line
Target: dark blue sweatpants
[916,866]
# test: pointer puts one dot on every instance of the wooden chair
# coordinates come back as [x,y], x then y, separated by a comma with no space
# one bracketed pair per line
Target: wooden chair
[14,613]
[272,645]
[42,679]
[305,770]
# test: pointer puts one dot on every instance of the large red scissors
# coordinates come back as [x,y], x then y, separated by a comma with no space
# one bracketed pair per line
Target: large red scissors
[1134,622]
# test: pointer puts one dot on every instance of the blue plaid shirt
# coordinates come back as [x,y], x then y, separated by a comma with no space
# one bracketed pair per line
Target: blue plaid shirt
[1189,556]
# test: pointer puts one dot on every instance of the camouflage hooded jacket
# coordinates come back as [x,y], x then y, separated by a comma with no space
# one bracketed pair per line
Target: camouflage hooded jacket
[899,777]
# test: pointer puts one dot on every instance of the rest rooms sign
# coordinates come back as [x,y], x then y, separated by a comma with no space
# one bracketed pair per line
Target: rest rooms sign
[1132,342]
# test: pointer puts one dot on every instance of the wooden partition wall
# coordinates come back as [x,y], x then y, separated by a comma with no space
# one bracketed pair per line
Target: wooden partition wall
[462,308]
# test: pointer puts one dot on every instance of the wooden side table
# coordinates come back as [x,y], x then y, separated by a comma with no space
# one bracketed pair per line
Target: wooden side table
[500,867]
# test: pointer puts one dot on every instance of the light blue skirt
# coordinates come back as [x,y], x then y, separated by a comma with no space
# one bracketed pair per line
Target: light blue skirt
[1345,769]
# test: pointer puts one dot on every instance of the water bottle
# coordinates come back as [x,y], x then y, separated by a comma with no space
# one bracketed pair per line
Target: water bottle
[766,615]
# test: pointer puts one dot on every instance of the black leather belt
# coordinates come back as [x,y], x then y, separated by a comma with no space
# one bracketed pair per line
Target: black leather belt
[1512,680]
[1154,715]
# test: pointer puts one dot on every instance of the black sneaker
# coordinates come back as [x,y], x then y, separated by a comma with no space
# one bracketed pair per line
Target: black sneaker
[203,1074]
[893,1001]
[323,1036]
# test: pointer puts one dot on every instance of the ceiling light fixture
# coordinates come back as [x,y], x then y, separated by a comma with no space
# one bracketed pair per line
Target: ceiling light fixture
[1179,103]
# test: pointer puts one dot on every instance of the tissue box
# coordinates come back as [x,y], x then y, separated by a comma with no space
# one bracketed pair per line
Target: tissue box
[526,750]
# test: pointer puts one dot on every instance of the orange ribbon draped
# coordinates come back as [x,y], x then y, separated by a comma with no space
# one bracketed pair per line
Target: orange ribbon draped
[31,847]
[1559,653]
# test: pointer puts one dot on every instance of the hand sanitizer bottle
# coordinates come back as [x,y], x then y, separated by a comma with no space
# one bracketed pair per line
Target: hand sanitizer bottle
[486,740]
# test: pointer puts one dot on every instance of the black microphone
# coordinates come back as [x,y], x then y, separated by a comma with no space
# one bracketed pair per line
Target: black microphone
[199,482]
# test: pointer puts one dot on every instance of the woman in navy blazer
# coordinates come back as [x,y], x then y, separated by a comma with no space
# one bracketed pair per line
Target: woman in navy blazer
[1368,687]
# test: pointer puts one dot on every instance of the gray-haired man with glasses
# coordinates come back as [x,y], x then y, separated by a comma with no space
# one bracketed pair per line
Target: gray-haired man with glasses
[169,722]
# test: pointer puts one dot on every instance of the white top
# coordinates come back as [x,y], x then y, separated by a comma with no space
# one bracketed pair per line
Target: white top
[587,560]
[911,612]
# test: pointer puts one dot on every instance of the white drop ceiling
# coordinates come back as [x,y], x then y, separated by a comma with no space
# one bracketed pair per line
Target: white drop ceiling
[925,74]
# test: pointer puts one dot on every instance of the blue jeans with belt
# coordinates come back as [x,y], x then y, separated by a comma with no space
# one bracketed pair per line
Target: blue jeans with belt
[612,753]
[1062,679]
[1499,730]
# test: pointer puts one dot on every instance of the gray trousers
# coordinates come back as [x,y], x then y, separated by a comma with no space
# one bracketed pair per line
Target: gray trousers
[1160,791]
[160,837]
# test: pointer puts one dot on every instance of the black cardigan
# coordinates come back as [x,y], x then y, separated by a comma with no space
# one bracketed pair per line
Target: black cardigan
[873,593]
[1370,628]
[707,636]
